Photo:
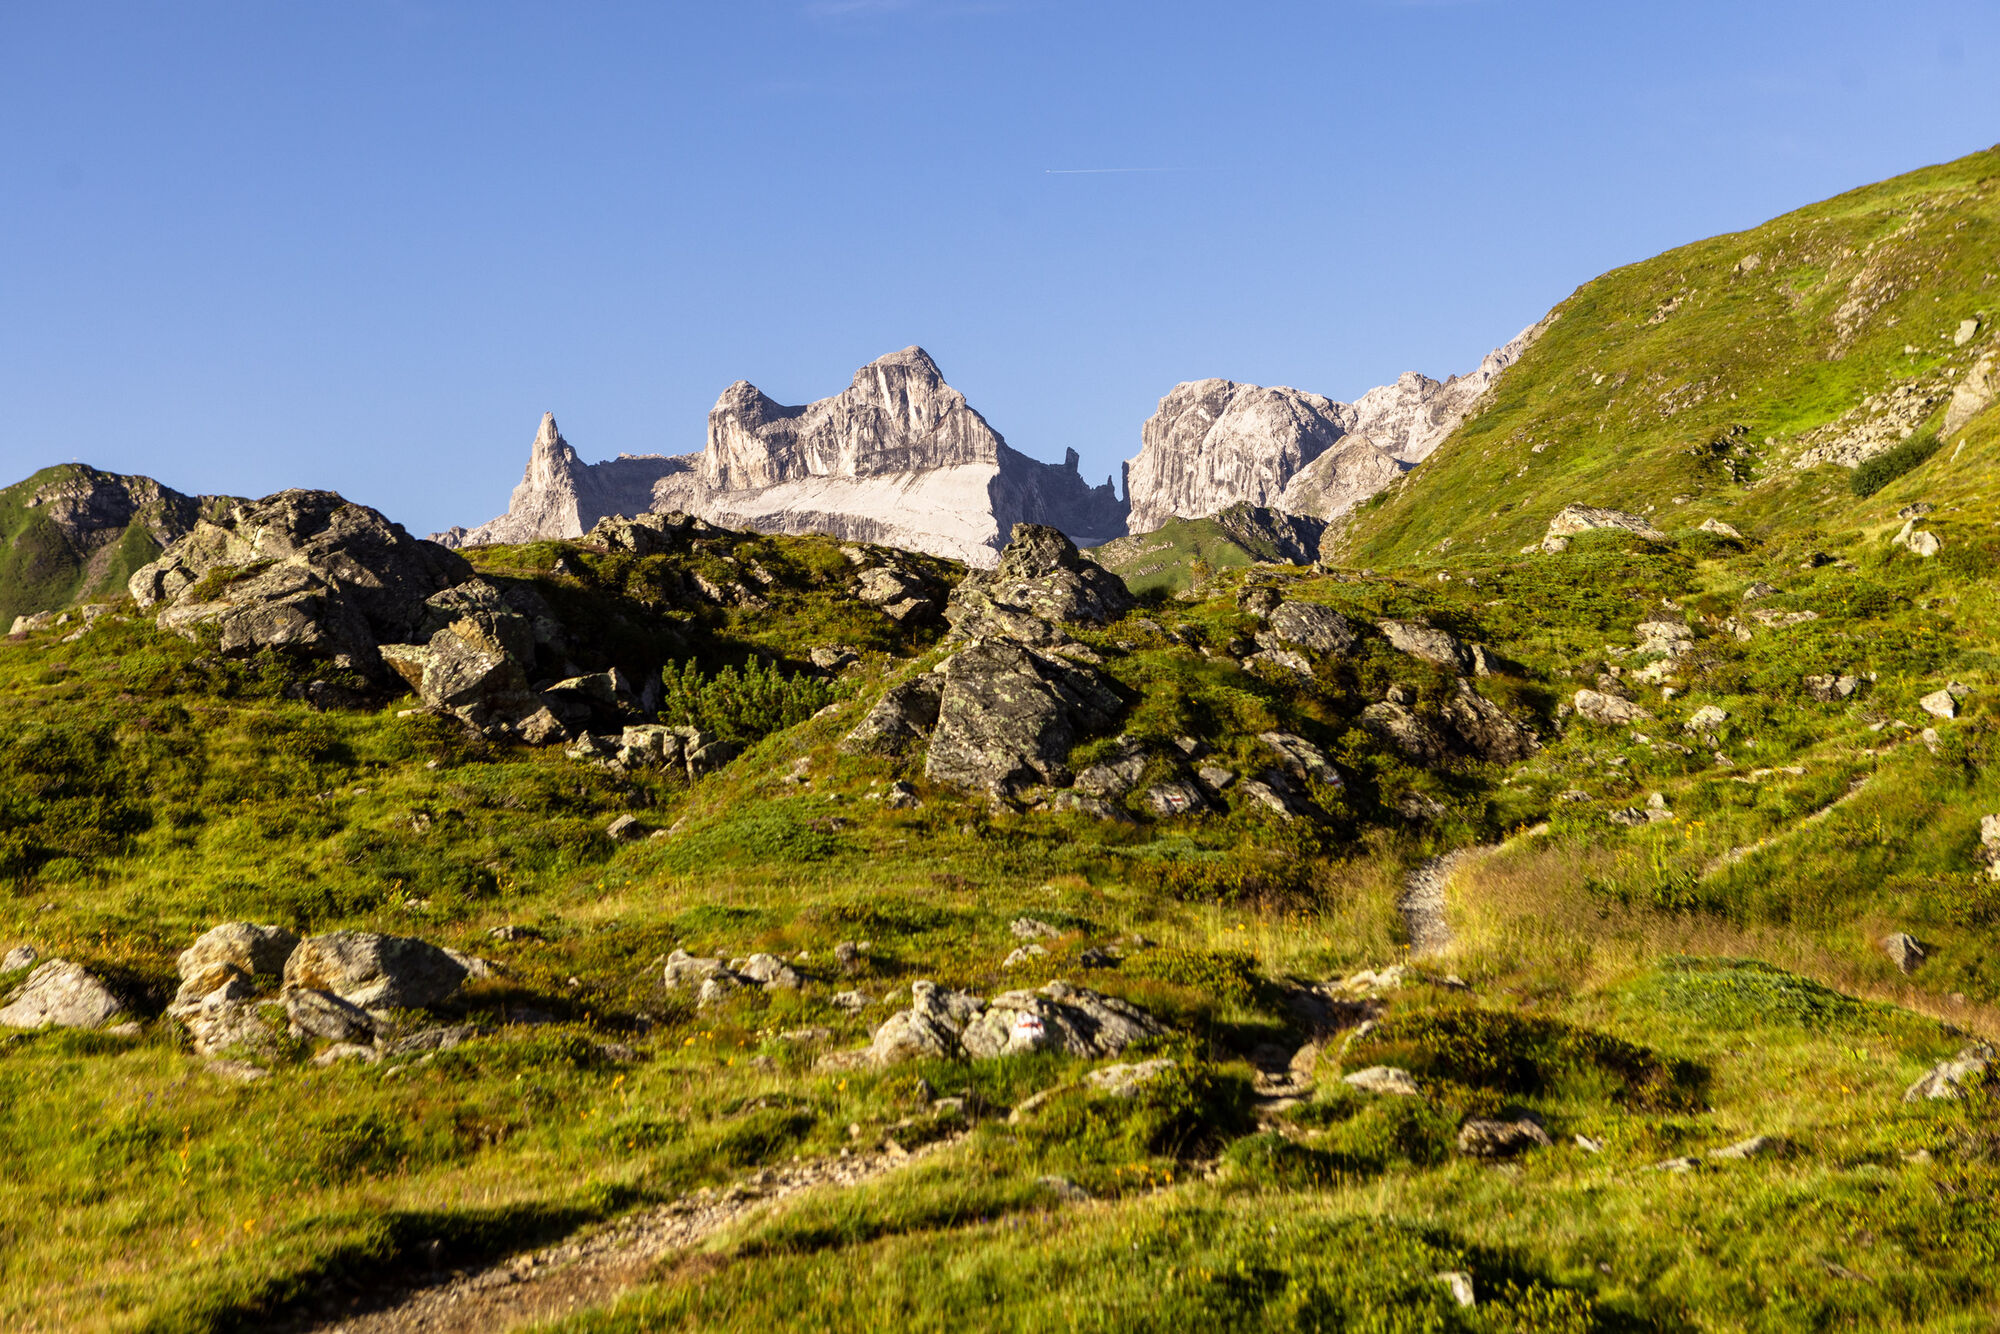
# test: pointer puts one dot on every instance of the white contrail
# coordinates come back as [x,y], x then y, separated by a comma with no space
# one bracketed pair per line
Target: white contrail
[1106,171]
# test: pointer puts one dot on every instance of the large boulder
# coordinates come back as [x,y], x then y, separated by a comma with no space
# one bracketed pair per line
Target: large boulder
[304,571]
[60,994]
[1008,716]
[1574,519]
[375,972]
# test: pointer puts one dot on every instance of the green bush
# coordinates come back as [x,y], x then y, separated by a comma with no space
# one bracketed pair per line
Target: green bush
[1745,993]
[1228,976]
[742,705]
[1878,472]
[1502,1052]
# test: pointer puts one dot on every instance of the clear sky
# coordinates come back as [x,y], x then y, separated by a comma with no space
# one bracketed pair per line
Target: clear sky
[364,244]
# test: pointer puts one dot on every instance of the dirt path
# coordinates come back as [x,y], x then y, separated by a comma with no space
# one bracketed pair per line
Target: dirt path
[590,1270]
[1735,855]
[1422,901]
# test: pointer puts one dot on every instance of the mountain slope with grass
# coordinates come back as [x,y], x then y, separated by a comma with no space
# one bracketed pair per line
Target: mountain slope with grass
[73,533]
[1445,937]
[1731,378]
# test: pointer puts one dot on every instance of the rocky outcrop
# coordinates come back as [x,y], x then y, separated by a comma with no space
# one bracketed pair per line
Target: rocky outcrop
[898,458]
[955,1025]
[302,571]
[1978,389]
[73,531]
[562,496]
[1008,716]
[1216,443]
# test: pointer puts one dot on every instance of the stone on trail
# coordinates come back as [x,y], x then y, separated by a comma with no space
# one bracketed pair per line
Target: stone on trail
[60,994]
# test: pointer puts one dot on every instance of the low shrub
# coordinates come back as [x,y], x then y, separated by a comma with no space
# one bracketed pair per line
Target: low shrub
[1884,468]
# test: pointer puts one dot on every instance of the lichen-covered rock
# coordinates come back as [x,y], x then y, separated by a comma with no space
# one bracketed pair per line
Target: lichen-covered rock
[944,1024]
[1311,626]
[1008,716]
[1408,732]
[1480,1138]
[60,994]
[905,714]
[1608,710]
[259,951]
[1041,574]
[375,972]
[1948,1079]
[1301,758]
[1428,643]
[1117,773]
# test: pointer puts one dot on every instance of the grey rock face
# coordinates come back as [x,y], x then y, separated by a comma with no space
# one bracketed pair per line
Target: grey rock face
[60,994]
[314,1013]
[1041,574]
[1008,716]
[1215,443]
[1407,731]
[1947,1079]
[1974,393]
[1485,727]
[314,574]
[1608,710]
[375,972]
[898,458]
[260,951]
[1574,519]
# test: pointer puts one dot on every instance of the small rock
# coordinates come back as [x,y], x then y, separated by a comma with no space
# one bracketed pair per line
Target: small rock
[769,971]
[1757,1146]
[21,956]
[624,829]
[1675,1165]
[1589,1145]
[241,1071]
[1720,529]
[853,1002]
[1126,1080]
[1758,590]
[1032,928]
[1176,798]
[1705,719]
[1386,1079]
[513,932]
[1215,776]
[322,1014]
[1608,710]
[1830,688]
[347,1051]
[1481,1138]
[1904,951]
[716,988]
[1947,1079]
[1025,954]
[1944,703]
[1063,1188]
[1460,1284]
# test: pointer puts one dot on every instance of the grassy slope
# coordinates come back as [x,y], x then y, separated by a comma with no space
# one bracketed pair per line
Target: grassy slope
[1648,365]
[1177,555]
[41,569]
[149,792]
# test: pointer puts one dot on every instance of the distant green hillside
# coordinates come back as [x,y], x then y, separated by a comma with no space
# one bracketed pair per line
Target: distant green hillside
[72,533]
[1182,552]
[1688,386]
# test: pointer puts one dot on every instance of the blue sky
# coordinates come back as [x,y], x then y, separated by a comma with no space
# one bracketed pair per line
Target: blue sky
[364,245]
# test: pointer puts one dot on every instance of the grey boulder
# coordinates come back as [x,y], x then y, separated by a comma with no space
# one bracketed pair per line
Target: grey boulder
[1008,716]
[1427,643]
[60,994]
[375,972]
[1311,626]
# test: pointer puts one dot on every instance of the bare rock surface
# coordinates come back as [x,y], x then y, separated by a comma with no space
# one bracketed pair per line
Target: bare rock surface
[942,1023]
[60,994]
[374,972]
[1216,443]
[898,458]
